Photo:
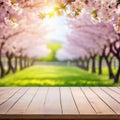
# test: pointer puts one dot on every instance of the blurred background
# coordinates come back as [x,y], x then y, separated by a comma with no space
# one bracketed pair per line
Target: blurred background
[59,43]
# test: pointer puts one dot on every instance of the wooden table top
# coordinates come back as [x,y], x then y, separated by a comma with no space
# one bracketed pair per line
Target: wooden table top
[60,103]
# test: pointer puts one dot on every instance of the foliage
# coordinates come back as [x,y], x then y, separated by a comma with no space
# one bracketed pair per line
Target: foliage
[54,47]
[55,76]
[100,10]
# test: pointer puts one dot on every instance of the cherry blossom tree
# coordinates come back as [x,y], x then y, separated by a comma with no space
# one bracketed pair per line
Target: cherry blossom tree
[93,39]
[16,43]
[100,10]
[95,28]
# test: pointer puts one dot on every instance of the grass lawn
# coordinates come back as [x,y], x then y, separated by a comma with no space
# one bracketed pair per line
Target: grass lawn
[55,76]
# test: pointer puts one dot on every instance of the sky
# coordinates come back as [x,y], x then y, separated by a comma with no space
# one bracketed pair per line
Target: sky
[59,29]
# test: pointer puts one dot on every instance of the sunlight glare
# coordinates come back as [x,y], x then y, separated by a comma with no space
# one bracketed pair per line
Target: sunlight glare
[49,8]
[59,28]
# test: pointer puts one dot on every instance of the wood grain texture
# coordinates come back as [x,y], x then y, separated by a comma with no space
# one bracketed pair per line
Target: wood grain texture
[114,105]
[81,101]
[67,101]
[73,103]
[99,106]
[37,104]
[22,104]
[52,102]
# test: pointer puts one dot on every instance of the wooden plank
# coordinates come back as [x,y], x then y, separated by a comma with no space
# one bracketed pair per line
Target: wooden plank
[37,104]
[4,90]
[57,117]
[116,89]
[22,104]
[82,103]
[112,93]
[99,106]
[60,103]
[115,106]
[8,104]
[8,94]
[52,102]
[67,102]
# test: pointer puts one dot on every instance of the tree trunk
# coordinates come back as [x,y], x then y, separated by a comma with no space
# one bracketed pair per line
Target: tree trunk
[33,61]
[109,64]
[15,64]
[77,63]
[116,77]
[28,63]
[87,64]
[2,67]
[93,64]
[83,64]
[115,66]
[111,75]
[25,59]
[20,62]
[1,63]
[10,66]
[100,65]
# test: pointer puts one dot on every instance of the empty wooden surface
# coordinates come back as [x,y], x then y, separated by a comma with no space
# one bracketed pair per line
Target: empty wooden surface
[60,103]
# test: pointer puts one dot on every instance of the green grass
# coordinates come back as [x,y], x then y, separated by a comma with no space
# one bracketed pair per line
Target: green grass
[54,48]
[55,76]
[104,71]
